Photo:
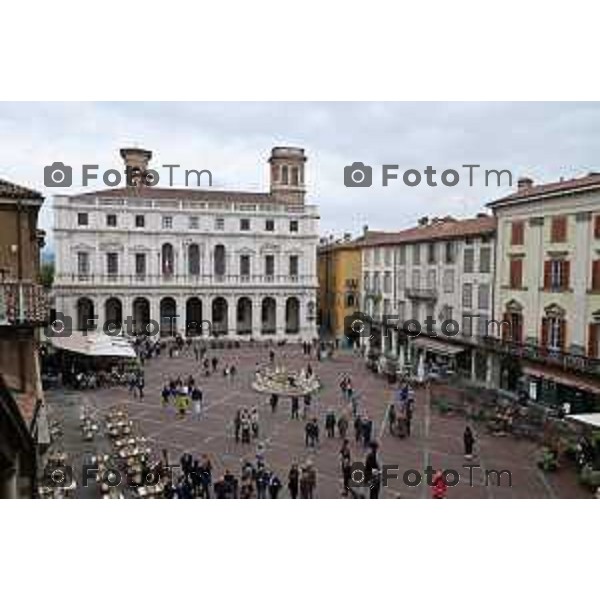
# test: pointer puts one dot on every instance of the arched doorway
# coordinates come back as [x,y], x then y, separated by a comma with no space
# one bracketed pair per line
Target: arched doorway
[193,317]
[219,260]
[85,314]
[244,316]
[193,259]
[168,317]
[269,316]
[167,260]
[220,325]
[292,315]
[141,315]
[113,311]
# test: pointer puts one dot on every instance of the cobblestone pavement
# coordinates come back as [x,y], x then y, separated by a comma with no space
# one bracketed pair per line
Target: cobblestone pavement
[435,440]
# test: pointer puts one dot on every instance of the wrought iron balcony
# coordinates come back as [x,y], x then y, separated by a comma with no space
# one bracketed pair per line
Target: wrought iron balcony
[421,293]
[567,361]
[23,303]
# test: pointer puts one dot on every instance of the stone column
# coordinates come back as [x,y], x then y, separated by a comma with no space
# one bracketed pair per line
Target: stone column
[421,366]
[473,365]
[182,312]
[280,317]
[256,317]
[155,315]
[100,312]
[394,342]
[489,371]
[231,316]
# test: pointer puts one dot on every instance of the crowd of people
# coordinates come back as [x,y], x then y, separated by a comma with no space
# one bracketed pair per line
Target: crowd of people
[194,479]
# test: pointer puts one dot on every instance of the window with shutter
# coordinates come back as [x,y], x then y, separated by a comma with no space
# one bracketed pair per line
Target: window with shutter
[597,227]
[544,332]
[517,236]
[562,335]
[559,229]
[596,275]
[593,340]
[516,273]
[547,274]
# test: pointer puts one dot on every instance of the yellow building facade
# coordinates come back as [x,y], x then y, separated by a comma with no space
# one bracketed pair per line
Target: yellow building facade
[339,271]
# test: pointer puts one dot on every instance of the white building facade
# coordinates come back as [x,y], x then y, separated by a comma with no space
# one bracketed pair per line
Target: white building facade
[163,261]
[439,275]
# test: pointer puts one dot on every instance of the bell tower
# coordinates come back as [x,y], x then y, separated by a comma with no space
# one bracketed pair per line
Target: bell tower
[287,174]
[136,163]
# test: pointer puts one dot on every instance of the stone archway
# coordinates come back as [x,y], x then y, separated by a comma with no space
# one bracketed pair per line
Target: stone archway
[244,316]
[268,316]
[220,325]
[141,315]
[113,316]
[85,314]
[168,317]
[193,317]
[292,315]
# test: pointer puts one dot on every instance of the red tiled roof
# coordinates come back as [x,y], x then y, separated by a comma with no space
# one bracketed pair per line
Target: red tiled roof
[12,190]
[577,184]
[350,244]
[443,229]
[200,195]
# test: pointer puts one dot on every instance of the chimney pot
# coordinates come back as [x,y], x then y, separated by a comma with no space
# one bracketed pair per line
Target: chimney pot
[524,183]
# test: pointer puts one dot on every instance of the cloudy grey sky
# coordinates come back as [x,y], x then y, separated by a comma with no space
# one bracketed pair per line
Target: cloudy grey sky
[543,140]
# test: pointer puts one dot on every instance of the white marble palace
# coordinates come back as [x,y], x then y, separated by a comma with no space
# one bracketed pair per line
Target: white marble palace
[193,261]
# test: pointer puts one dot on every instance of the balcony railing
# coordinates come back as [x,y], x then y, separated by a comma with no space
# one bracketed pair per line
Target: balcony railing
[564,360]
[23,303]
[92,280]
[421,293]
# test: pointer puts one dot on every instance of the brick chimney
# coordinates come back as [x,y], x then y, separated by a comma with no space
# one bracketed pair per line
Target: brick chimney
[524,183]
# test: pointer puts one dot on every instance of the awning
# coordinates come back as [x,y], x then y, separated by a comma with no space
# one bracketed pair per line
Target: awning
[95,344]
[591,419]
[436,346]
[562,378]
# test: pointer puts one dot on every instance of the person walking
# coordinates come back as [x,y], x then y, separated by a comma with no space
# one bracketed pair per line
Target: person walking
[295,408]
[330,424]
[274,486]
[469,442]
[358,426]
[237,425]
[439,486]
[197,401]
[273,401]
[375,485]
[293,481]
[346,465]
[342,425]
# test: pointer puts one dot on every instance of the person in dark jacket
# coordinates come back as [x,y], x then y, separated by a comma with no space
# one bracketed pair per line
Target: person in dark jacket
[293,481]
[295,407]
[469,442]
[274,486]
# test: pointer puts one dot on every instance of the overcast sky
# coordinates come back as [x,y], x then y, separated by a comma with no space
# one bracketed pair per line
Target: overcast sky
[543,140]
